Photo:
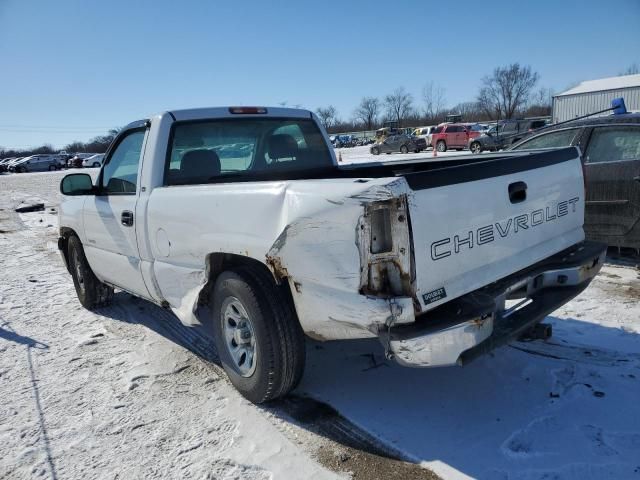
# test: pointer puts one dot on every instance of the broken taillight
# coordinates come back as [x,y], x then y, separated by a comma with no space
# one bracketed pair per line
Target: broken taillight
[385,249]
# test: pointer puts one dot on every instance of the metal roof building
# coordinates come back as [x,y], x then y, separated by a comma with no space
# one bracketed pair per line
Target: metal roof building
[594,95]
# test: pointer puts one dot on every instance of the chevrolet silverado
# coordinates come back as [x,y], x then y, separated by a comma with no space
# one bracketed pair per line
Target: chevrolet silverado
[241,221]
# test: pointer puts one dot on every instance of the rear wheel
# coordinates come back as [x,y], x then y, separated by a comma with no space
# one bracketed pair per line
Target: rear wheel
[441,146]
[91,292]
[52,168]
[257,334]
[96,164]
[476,147]
[375,150]
[404,149]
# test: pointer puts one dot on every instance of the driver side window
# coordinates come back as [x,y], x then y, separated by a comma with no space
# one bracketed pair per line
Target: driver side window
[120,172]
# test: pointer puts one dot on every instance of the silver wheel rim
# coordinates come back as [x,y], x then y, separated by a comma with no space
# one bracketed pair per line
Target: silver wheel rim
[239,336]
[476,148]
[440,147]
[78,269]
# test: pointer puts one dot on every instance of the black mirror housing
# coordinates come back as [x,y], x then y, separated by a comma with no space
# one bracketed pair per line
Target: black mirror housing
[76,184]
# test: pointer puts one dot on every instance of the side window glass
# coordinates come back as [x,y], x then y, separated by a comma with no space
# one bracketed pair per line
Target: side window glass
[120,172]
[613,144]
[563,138]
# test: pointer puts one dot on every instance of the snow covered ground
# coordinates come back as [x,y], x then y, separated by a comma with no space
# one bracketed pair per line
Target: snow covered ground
[115,394]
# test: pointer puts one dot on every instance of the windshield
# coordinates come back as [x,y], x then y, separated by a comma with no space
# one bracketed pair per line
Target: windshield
[244,149]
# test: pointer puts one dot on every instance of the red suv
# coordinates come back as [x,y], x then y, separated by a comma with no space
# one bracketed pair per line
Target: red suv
[453,136]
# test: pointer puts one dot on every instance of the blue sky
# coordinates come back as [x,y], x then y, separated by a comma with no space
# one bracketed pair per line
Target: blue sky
[71,69]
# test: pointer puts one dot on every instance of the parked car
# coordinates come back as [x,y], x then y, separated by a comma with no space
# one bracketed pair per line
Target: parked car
[611,155]
[288,242]
[399,143]
[61,159]
[480,128]
[385,132]
[12,161]
[504,134]
[94,161]
[76,160]
[35,163]
[451,136]
[4,163]
[425,132]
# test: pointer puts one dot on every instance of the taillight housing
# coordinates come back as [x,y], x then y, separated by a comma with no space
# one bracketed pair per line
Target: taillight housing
[386,254]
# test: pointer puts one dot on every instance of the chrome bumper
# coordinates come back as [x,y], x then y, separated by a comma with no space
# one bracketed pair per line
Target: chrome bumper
[480,321]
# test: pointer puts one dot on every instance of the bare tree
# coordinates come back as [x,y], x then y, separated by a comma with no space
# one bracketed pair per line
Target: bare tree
[328,116]
[367,111]
[542,97]
[507,90]
[399,104]
[632,69]
[470,111]
[433,98]
[540,103]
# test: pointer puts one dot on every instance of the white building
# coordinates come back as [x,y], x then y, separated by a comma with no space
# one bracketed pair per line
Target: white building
[594,95]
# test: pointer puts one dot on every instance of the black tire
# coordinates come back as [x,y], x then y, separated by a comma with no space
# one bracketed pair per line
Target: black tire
[475,147]
[375,150]
[96,164]
[91,292]
[441,146]
[279,349]
[404,149]
[52,168]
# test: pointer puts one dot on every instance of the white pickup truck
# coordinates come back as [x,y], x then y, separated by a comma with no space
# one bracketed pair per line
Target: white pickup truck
[241,220]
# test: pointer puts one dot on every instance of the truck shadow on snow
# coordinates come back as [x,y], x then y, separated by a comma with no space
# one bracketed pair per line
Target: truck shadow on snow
[538,405]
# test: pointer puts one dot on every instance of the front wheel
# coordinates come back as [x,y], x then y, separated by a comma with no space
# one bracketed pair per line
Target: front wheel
[375,151]
[441,146]
[404,149]
[476,147]
[91,292]
[257,334]
[96,164]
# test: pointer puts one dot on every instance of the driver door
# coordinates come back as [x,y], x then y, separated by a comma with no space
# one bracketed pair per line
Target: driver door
[109,224]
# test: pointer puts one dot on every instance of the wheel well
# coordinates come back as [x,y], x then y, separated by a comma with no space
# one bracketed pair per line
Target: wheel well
[218,262]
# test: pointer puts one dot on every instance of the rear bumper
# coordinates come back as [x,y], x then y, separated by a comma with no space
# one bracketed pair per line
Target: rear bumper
[474,324]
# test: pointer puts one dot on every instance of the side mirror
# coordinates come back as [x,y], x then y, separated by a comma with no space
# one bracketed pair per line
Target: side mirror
[77,184]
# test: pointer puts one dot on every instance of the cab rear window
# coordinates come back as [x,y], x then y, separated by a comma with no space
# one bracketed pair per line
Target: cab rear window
[244,149]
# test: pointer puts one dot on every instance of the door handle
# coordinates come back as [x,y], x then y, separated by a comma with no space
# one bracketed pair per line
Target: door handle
[127,218]
[637,179]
